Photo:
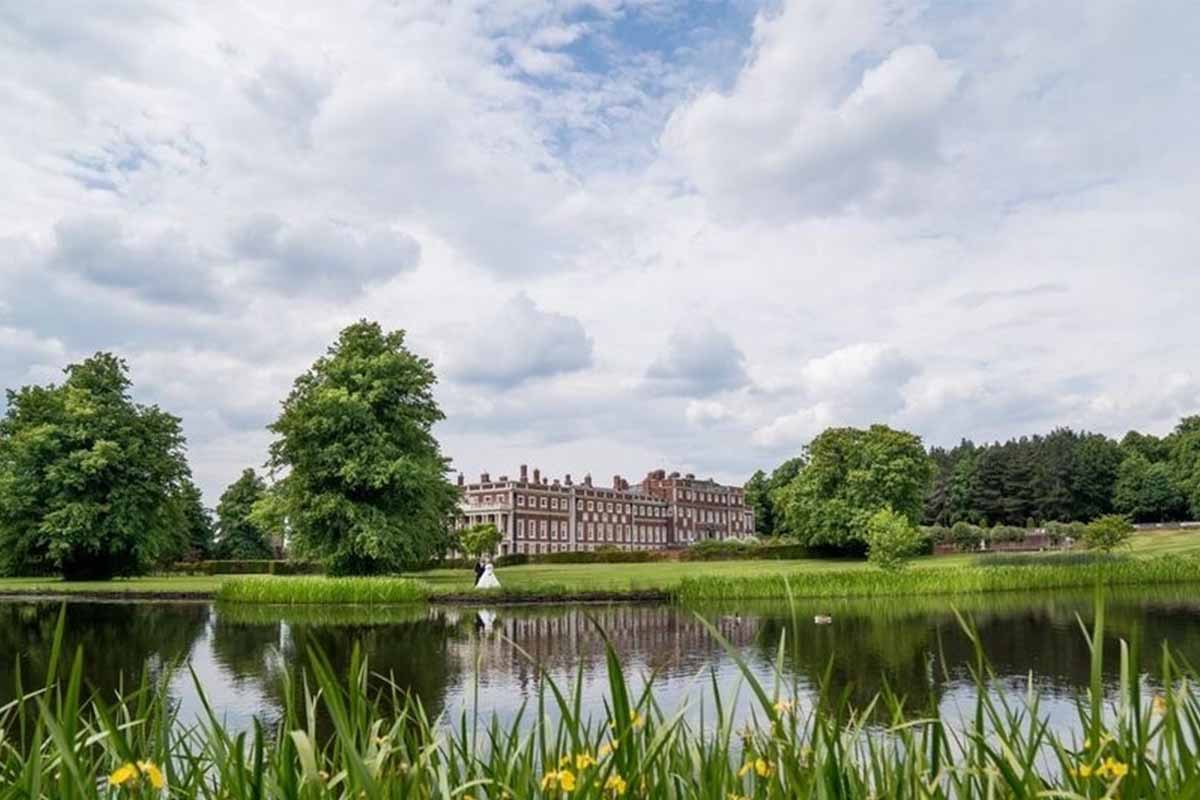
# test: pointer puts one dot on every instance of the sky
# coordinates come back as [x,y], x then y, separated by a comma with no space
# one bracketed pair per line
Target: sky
[630,234]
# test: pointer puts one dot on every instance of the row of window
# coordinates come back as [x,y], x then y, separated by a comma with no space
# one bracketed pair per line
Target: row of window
[592,531]
[561,503]
[718,498]
[537,548]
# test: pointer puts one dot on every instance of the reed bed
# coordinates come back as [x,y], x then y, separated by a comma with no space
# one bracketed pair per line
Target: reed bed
[357,736]
[1025,576]
[319,589]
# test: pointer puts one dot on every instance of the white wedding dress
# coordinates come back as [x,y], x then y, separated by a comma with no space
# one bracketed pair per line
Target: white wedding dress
[488,579]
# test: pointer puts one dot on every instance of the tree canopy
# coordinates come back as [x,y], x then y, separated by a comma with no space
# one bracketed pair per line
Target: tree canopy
[366,485]
[849,474]
[239,534]
[90,481]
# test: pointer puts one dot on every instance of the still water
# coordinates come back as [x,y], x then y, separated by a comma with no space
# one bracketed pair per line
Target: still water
[450,656]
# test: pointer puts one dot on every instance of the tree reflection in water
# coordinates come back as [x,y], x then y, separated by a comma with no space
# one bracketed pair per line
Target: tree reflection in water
[912,646]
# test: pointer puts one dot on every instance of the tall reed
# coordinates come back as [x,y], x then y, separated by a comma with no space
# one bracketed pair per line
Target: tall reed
[319,589]
[360,736]
[1004,576]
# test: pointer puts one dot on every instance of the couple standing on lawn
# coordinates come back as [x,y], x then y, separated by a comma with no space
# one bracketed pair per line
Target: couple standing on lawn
[485,575]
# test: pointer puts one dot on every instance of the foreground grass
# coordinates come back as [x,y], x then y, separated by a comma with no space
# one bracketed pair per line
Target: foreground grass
[360,737]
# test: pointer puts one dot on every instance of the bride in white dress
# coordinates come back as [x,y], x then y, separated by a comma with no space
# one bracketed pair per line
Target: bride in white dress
[488,579]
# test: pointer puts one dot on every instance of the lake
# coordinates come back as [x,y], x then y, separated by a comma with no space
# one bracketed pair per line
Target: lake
[450,655]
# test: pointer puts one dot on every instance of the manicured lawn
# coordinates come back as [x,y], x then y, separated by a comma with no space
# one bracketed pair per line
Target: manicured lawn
[175,584]
[657,575]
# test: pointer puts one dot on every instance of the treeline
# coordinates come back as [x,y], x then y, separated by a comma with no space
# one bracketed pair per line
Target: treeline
[94,485]
[1068,476]
[822,495]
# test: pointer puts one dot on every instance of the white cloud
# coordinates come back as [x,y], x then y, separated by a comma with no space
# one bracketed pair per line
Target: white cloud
[741,222]
[812,126]
[704,413]
[321,256]
[700,360]
[521,342]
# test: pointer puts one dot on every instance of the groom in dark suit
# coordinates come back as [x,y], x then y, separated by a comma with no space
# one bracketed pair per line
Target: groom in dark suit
[478,570]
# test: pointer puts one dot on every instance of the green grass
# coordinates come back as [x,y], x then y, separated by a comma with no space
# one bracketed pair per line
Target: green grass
[319,589]
[361,736]
[1038,573]
[199,585]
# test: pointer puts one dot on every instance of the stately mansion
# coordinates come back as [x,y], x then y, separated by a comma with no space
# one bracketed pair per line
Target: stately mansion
[539,515]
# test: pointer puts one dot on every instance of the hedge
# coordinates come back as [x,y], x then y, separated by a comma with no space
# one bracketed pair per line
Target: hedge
[249,567]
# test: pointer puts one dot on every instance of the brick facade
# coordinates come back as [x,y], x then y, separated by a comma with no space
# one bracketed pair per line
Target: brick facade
[536,515]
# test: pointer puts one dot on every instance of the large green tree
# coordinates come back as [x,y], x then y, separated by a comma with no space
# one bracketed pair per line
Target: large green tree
[239,536]
[89,479]
[192,531]
[850,474]
[1146,492]
[366,485]
[1184,449]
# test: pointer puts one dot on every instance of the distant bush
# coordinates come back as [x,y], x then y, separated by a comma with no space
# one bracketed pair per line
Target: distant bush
[891,540]
[1006,533]
[733,550]
[966,536]
[1108,532]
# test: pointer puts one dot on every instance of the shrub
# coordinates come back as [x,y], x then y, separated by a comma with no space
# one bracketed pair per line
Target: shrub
[891,540]
[937,534]
[1108,532]
[1006,533]
[966,536]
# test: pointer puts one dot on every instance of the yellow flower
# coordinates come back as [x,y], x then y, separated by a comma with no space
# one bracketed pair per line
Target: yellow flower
[1160,704]
[749,765]
[128,773]
[636,720]
[123,775]
[606,749]
[583,761]
[566,780]
[615,785]
[153,773]
[1113,768]
[549,781]
[564,761]
[733,796]
[762,767]
[784,707]
[1084,771]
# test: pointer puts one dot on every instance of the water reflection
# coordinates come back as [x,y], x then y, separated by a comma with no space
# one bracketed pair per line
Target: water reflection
[450,656]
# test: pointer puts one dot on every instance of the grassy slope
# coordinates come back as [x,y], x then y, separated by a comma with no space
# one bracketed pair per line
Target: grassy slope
[577,577]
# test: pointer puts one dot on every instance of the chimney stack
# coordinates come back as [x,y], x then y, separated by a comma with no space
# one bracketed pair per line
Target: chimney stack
[537,475]
[567,479]
[616,484]
[485,478]
[587,480]
[524,474]
[460,479]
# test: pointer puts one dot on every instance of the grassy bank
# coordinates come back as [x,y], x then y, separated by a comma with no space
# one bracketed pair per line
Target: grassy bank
[659,580]
[1009,575]
[359,736]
